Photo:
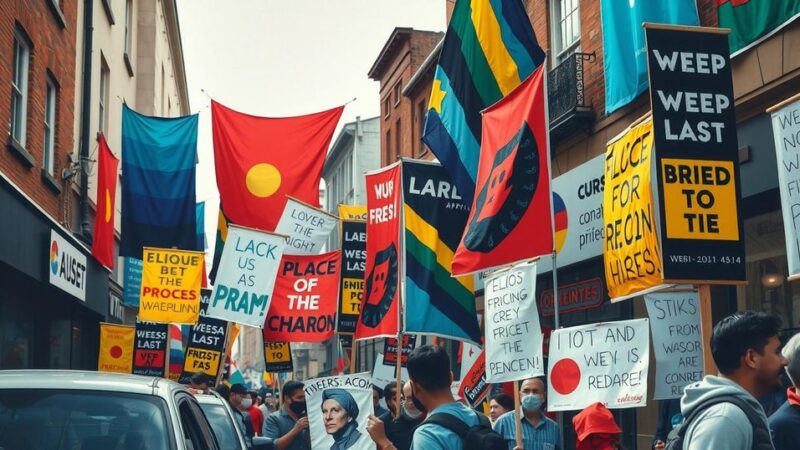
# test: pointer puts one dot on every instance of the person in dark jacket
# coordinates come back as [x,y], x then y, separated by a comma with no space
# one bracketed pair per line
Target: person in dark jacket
[669,416]
[784,424]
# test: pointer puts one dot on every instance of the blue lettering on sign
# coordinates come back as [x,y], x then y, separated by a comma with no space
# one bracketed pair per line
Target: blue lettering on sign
[262,249]
[240,301]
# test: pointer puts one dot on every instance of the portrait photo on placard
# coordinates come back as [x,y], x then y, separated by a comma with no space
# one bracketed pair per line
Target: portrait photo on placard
[338,415]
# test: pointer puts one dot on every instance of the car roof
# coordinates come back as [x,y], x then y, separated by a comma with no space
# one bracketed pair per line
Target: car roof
[209,399]
[84,380]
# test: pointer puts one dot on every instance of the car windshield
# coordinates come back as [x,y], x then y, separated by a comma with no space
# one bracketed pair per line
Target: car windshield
[37,419]
[222,424]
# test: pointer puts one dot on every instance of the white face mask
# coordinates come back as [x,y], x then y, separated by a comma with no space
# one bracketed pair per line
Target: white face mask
[247,402]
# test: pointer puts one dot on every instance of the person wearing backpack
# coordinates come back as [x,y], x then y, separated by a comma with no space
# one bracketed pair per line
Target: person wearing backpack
[721,411]
[450,425]
[538,431]
[785,422]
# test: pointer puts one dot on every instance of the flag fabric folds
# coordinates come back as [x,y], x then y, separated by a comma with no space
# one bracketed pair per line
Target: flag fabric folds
[752,20]
[488,50]
[103,242]
[435,216]
[219,243]
[510,219]
[261,160]
[158,182]
[624,46]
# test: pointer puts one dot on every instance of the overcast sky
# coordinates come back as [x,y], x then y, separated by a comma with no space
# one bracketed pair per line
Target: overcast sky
[287,57]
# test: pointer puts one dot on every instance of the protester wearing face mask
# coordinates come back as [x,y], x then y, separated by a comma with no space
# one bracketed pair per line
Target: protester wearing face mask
[396,433]
[538,431]
[240,401]
[288,427]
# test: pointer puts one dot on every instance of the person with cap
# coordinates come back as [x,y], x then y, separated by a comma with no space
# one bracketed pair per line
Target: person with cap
[239,399]
[288,426]
[538,432]
[596,429]
[340,417]
[784,424]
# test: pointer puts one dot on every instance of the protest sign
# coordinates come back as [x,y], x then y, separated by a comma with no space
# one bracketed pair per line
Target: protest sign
[786,131]
[603,362]
[277,357]
[513,335]
[246,276]
[677,346]
[132,283]
[306,228]
[116,348]
[354,258]
[150,349]
[473,386]
[390,349]
[631,256]
[383,374]
[303,307]
[338,409]
[469,354]
[206,343]
[379,309]
[583,294]
[170,286]
[697,151]
[353,212]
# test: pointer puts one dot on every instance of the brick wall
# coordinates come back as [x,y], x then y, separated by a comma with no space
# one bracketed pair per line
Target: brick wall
[52,50]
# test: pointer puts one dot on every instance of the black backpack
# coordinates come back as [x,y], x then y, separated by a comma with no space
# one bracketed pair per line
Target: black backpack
[761,436]
[476,437]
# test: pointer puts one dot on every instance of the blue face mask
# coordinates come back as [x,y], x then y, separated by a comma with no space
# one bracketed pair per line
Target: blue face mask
[531,402]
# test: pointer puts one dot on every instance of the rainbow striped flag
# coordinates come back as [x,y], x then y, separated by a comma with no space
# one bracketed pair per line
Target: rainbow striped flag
[488,50]
[176,354]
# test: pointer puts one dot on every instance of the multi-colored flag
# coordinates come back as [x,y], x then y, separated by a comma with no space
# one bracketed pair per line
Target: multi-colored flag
[103,239]
[176,354]
[488,50]
[158,182]
[261,160]
[750,21]
[219,243]
[202,244]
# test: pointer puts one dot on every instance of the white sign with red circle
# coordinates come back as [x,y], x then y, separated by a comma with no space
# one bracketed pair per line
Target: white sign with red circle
[603,362]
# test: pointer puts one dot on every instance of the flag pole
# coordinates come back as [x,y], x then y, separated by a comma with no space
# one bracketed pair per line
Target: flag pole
[517,415]
[353,356]
[224,355]
[556,317]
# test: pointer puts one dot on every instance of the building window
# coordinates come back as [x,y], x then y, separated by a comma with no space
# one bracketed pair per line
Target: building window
[566,28]
[397,148]
[128,36]
[19,89]
[48,153]
[421,110]
[388,149]
[386,109]
[102,109]
[397,94]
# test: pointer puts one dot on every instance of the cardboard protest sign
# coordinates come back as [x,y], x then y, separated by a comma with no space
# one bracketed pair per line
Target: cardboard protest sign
[379,309]
[353,212]
[306,228]
[513,336]
[677,345]
[116,348]
[473,386]
[786,131]
[206,343]
[246,276]
[354,259]
[604,362]
[303,307]
[697,150]
[383,374]
[338,409]
[277,357]
[170,285]
[390,349]
[150,349]
[631,255]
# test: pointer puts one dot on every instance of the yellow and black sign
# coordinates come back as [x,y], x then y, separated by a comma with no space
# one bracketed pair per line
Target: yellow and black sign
[116,348]
[277,357]
[353,212]
[201,360]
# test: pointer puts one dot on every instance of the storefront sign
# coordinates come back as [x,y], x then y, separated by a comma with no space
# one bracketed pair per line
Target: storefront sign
[786,130]
[694,124]
[171,285]
[116,348]
[675,324]
[585,294]
[206,343]
[604,362]
[351,291]
[306,228]
[67,266]
[150,349]
[277,357]
[473,387]
[390,349]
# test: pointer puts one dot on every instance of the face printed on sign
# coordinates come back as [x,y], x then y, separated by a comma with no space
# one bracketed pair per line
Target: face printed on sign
[505,197]
[381,287]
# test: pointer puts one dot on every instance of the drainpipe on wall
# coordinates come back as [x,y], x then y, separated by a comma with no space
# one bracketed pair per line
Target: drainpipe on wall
[86,93]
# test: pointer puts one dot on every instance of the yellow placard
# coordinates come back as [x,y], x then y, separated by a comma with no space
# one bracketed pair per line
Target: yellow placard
[352,293]
[170,286]
[700,199]
[277,352]
[201,360]
[353,212]
[631,254]
[116,348]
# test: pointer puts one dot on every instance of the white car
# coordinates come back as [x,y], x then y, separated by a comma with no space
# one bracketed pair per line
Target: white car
[226,426]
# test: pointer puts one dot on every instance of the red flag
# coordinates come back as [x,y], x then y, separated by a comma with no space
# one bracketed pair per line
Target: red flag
[510,219]
[261,160]
[305,298]
[379,310]
[103,243]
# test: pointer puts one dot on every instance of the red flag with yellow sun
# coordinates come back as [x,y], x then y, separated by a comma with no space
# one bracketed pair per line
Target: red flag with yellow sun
[261,160]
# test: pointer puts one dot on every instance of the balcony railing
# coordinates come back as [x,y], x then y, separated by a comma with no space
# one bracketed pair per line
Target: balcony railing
[567,105]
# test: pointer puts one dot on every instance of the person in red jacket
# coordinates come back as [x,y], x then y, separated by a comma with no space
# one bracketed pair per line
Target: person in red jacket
[596,429]
[256,416]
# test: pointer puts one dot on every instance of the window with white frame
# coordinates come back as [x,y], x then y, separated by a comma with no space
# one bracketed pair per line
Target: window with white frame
[102,124]
[48,153]
[128,25]
[19,89]
[566,28]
